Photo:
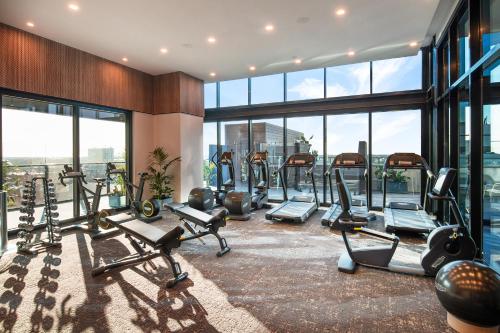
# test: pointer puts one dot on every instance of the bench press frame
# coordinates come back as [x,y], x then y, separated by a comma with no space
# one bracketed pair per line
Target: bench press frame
[143,255]
[210,228]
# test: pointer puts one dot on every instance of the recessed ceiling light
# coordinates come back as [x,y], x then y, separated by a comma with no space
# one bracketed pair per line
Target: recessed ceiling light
[297,61]
[269,27]
[124,59]
[30,24]
[351,53]
[74,7]
[340,12]
[413,44]
[212,74]
[211,40]
[163,50]
[252,68]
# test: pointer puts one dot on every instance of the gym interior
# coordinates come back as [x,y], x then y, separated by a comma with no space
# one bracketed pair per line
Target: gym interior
[250,166]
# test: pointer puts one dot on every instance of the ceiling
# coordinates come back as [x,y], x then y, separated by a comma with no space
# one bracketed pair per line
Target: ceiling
[308,30]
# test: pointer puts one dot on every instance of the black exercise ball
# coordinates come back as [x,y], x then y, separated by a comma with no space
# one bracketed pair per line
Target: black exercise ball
[470,291]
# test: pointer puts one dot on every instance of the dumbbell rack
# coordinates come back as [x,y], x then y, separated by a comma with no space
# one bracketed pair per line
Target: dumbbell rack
[26,243]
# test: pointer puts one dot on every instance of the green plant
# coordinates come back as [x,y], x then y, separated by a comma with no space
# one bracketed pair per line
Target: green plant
[397,176]
[119,188]
[209,174]
[10,183]
[158,178]
[303,139]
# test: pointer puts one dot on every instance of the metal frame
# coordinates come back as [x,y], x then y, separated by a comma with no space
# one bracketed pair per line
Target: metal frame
[76,106]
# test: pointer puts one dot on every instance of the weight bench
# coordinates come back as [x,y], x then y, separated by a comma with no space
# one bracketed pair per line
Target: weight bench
[139,234]
[210,224]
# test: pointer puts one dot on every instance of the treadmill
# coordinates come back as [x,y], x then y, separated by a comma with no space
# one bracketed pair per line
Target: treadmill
[406,216]
[359,206]
[300,207]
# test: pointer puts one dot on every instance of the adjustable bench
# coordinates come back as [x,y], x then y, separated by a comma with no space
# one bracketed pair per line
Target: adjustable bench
[210,224]
[160,241]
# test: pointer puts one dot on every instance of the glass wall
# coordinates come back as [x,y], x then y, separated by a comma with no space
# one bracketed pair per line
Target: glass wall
[36,141]
[268,136]
[103,139]
[463,44]
[234,138]
[389,75]
[305,85]
[464,151]
[209,149]
[305,134]
[395,131]
[348,80]
[234,92]
[210,95]
[397,74]
[267,89]
[348,133]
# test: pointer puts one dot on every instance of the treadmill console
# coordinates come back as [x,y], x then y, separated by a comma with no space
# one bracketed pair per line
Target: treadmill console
[444,181]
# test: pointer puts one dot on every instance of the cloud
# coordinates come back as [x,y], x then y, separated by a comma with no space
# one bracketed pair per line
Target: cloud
[308,89]
[385,129]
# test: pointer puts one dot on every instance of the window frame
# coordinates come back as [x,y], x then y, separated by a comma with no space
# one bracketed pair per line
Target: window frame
[76,105]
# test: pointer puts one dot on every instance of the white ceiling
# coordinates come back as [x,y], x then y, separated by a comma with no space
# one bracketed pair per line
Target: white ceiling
[307,29]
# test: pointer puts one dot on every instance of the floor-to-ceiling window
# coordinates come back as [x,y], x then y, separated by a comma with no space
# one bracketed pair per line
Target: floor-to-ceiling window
[36,141]
[209,151]
[395,132]
[267,89]
[210,95]
[39,137]
[308,84]
[267,136]
[397,74]
[464,150]
[305,134]
[348,133]
[348,80]
[234,138]
[103,139]
[233,92]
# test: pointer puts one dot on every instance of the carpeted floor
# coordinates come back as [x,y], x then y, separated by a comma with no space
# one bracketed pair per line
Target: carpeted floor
[278,277]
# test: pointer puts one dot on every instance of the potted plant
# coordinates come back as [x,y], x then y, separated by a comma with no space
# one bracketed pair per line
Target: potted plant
[115,197]
[304,145]
[158,178]
[397,182]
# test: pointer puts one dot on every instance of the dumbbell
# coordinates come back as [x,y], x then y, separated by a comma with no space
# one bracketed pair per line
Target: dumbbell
[52,200]
[26,227]
[56,238]
[52,195]
[25,218]
[54,222]
[26,210]
[54,214]
[56,230]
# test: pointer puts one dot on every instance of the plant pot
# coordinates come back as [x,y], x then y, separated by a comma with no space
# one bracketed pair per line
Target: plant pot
[116,201]
[162,202]
[397,187]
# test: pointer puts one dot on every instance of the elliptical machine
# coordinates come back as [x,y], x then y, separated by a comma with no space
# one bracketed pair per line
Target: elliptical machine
[144,210]
[259,168]
[237,203]
[445,244]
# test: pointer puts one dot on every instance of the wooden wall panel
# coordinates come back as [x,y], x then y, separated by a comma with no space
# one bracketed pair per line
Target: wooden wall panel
[178,93]
[33,64]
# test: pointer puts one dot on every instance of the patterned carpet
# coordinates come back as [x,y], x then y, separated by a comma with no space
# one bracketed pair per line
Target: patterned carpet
[278,277]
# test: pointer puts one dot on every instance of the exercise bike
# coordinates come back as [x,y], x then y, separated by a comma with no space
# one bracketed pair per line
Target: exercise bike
[144,210]
[92,213]
[258,160]
[445,244]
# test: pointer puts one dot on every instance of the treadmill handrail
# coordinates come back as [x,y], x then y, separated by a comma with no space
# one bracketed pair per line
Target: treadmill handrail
[335,165]
[309,172]
[422,166]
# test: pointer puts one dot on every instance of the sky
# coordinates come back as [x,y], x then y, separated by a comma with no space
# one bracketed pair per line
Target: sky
[35,134]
